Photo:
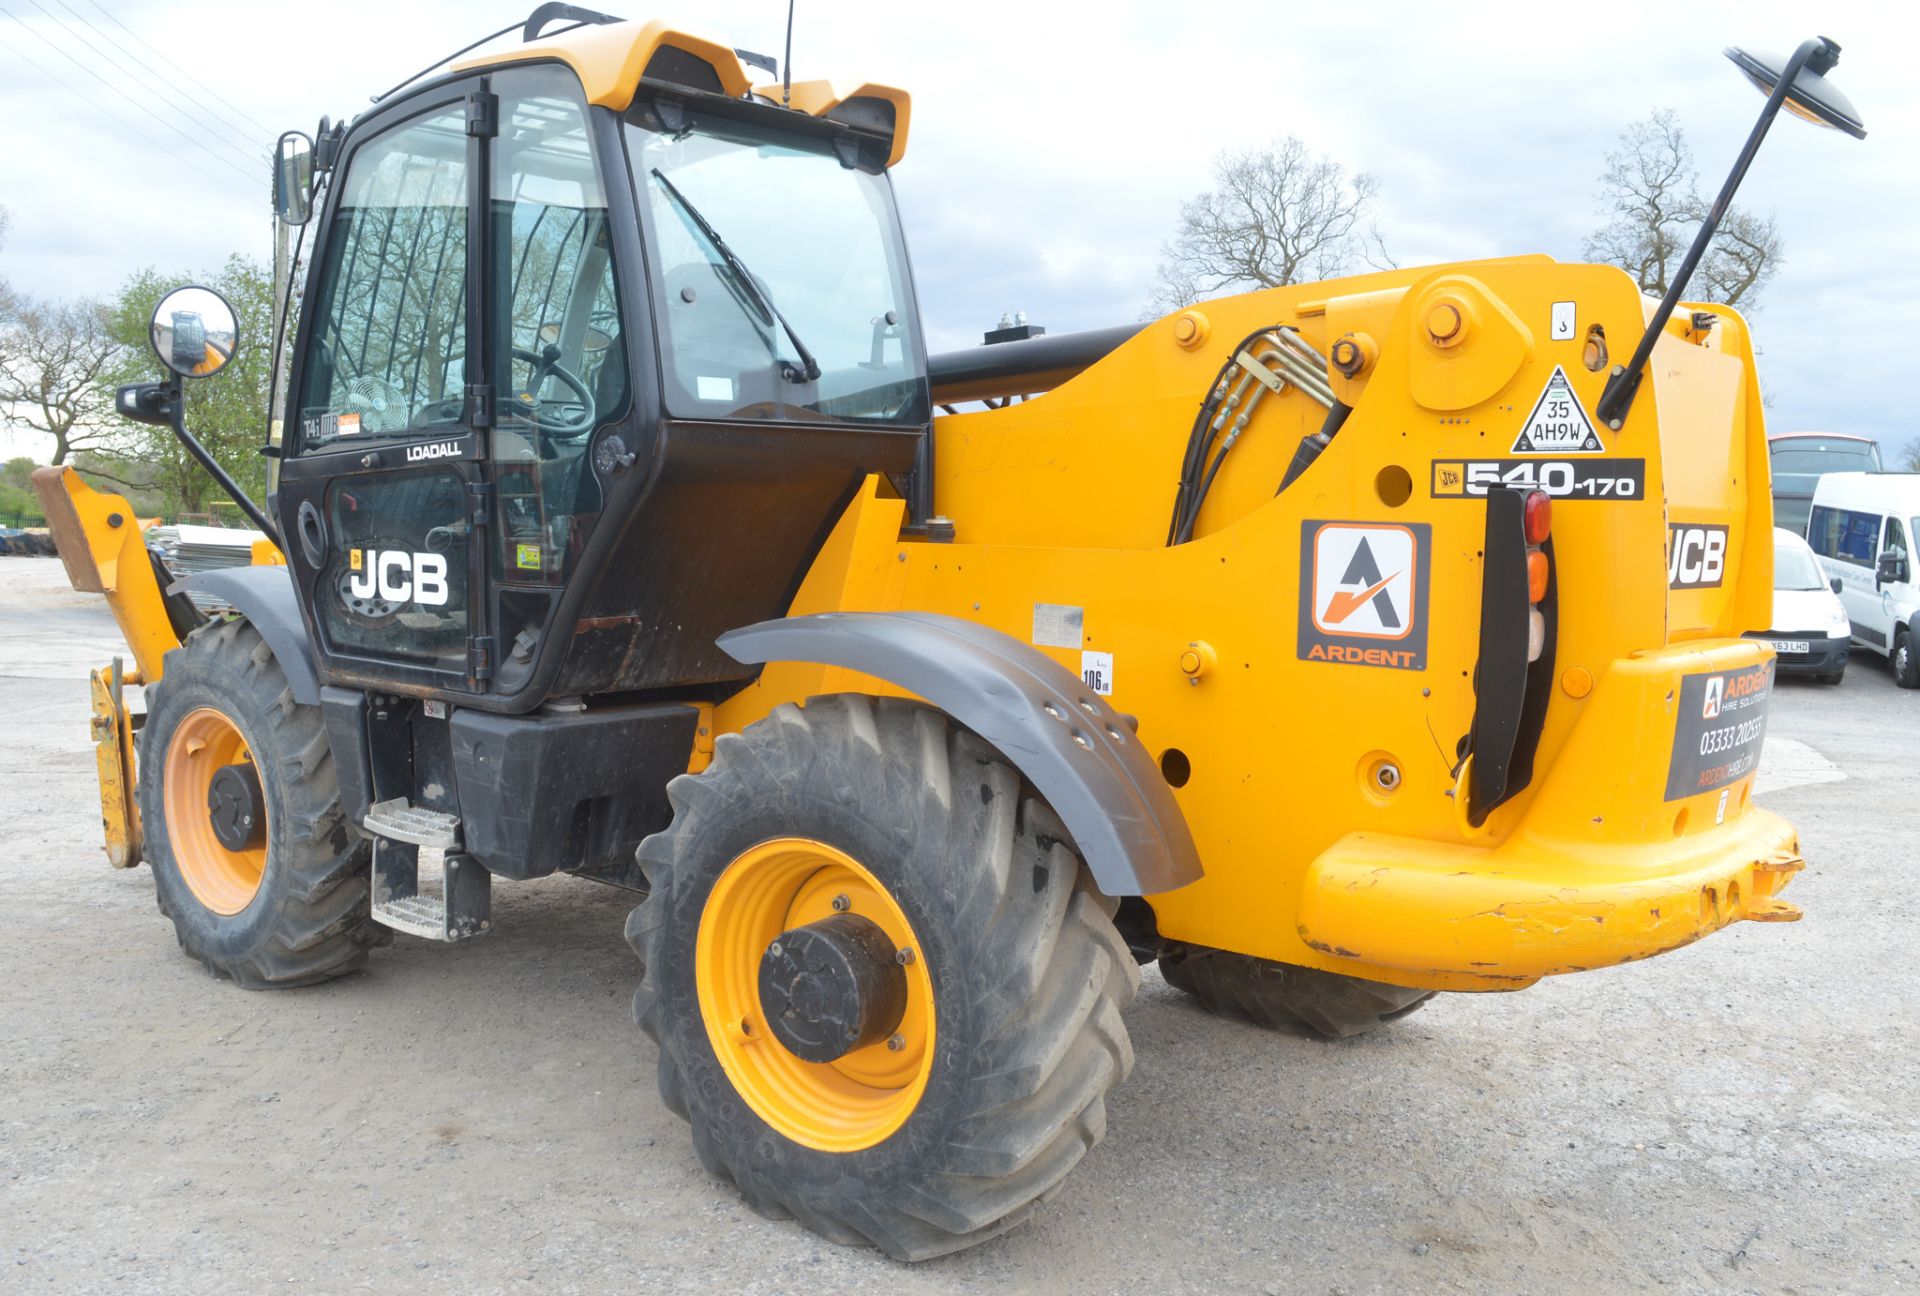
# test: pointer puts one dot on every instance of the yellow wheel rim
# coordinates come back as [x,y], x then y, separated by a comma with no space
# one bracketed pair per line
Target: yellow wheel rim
[223,880]
[854,1101]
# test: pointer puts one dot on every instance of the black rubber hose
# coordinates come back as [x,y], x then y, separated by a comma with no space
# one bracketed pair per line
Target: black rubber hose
[1185,507]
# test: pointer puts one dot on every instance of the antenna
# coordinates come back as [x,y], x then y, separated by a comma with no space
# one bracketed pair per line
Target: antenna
[786,64]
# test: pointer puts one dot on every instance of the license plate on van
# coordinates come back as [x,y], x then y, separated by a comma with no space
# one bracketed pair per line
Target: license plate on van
[1789,646]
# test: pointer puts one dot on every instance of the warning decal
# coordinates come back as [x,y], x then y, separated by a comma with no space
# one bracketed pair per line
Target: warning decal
[1363,592]
[1558,424]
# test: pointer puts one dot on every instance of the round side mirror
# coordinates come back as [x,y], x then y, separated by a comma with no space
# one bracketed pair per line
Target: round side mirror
[194,332]
[293,178]
[1811,96]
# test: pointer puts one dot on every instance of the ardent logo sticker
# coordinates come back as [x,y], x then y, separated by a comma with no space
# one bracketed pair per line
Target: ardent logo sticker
[1363,593]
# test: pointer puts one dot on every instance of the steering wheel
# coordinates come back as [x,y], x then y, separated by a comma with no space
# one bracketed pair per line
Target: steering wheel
[546,364]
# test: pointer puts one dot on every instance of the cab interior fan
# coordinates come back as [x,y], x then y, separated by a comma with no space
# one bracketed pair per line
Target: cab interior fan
[383,406]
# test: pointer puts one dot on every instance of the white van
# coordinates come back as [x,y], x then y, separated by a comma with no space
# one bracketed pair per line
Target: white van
[1862,527]
[1810,631]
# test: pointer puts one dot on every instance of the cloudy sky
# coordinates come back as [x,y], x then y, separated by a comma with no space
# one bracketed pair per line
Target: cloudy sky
[1053,143]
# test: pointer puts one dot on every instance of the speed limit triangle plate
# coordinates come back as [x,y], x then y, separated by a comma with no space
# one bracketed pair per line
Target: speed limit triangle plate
[1558,424]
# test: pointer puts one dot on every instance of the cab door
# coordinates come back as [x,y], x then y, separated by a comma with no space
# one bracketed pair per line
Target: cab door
[382,497]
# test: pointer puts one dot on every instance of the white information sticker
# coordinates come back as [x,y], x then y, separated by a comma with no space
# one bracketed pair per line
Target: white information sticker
[1059,625]
[1563,322]
[714,389]
[1096,671]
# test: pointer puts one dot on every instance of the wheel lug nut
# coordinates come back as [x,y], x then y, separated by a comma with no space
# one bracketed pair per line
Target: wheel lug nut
[896,1042]
[903,955]
[841,904]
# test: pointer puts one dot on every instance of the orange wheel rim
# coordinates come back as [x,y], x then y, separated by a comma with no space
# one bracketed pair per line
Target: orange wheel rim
[856,1100]
[223,880]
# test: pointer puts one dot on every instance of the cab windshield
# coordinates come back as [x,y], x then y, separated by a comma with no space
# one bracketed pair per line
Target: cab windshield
[779,278]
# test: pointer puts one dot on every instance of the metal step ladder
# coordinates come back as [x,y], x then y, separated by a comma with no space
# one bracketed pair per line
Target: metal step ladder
[405,836]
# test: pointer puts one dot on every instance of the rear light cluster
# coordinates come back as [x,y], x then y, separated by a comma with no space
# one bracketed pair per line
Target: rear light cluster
[1536,519]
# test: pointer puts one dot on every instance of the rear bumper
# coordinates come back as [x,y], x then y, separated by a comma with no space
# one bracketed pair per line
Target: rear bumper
[1596,865]
[1507,918]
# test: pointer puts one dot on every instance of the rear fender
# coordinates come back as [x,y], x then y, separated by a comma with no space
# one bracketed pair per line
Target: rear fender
[1075,749]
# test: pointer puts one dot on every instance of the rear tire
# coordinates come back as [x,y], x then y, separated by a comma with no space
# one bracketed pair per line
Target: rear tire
[1025,971]
[299,913]
[1904,661]
[1281,995]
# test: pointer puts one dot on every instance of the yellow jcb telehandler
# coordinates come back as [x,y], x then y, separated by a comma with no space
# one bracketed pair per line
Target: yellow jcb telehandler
[621,526]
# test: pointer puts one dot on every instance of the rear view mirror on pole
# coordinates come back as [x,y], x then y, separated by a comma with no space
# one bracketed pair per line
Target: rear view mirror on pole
[293,178]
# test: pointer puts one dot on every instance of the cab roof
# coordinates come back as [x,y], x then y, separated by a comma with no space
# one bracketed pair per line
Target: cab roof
[612,59]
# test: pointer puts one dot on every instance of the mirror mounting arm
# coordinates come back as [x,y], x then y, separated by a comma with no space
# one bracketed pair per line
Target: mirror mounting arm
[1617,399]
[169,402]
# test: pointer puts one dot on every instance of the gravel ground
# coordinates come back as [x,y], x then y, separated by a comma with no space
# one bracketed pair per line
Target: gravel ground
[1740,1115]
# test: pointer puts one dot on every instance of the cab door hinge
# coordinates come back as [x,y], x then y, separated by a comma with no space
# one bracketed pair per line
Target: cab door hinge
[480,658]
[480,503]
[479,405]
[483,114]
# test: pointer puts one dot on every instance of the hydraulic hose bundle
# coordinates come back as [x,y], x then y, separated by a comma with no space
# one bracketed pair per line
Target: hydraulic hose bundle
[1270,359]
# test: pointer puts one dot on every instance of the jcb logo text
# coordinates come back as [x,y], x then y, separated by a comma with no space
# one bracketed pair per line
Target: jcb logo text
[400,577]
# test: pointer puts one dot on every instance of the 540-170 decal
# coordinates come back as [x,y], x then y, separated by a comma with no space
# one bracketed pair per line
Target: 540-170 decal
[1619,479]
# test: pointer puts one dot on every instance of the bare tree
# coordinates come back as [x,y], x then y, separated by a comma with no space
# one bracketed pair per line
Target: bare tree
[1907,457]
[52,356]
[1652,194]
[6,289]
[1276,215]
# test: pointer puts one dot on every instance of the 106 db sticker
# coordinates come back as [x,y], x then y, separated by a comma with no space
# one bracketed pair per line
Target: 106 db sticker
[1600,479]
[1722,722]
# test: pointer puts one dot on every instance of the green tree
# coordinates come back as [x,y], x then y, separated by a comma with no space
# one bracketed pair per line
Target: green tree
[226,412]
[18,505]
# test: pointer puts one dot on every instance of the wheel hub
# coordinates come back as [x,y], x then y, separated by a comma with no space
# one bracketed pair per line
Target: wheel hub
[832,986]
[233,807]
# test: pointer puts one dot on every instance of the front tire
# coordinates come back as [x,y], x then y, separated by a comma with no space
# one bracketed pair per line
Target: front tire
[289,907]
[984,1097]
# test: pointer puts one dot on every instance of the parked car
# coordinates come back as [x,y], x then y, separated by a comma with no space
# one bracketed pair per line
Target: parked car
[1861,527]
[1809,630]
[1800,459]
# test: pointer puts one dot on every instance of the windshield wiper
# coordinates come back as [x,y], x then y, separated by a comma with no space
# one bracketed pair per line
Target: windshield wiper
[748,284]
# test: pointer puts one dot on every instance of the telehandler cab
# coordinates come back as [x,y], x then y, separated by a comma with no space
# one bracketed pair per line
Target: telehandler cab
[622,527]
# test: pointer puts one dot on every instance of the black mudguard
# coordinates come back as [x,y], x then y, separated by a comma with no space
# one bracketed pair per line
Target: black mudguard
[1076,750]
[266,597]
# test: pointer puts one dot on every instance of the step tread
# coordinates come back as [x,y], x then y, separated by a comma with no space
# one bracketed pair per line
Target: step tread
[422,915]
[400,820]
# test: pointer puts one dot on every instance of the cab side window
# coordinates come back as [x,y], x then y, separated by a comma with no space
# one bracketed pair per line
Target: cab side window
[559,360]
[1896,538]
[387,357]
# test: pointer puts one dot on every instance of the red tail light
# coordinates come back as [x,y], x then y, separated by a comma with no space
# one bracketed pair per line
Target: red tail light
[1537,517]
